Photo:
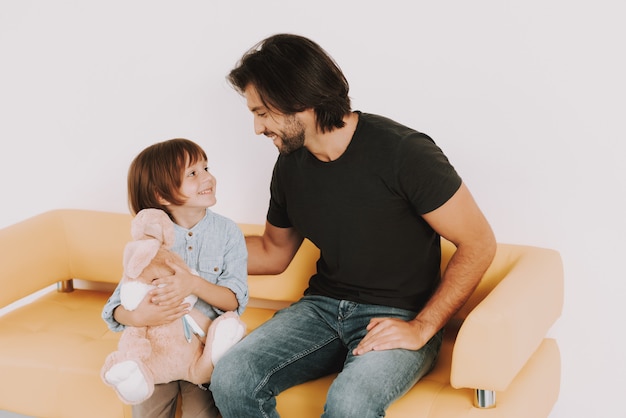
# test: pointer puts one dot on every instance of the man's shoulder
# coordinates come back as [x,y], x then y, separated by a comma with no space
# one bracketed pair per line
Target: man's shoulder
[374,122]
[390,134]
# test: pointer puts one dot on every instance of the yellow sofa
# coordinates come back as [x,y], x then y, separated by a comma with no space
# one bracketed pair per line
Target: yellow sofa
[496,360]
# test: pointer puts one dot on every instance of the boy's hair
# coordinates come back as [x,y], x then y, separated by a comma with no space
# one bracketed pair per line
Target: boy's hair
[157,172]
[292,73]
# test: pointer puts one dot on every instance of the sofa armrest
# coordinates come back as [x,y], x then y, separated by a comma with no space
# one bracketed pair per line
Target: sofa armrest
[60,245]
[34,256]
[503,331]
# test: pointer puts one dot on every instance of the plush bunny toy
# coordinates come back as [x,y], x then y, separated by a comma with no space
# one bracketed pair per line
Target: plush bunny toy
[186,349]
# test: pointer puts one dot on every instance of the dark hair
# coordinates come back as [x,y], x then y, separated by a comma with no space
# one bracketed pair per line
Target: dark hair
[292,73]
[157,172]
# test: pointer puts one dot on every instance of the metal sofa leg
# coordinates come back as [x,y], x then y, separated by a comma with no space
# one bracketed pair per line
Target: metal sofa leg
[65,286]
[484,399]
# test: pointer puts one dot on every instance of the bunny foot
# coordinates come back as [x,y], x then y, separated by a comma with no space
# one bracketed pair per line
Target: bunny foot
[227,330]
[129,382]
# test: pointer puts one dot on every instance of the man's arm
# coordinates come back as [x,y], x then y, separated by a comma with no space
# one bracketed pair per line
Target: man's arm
[272,252]
[461,222]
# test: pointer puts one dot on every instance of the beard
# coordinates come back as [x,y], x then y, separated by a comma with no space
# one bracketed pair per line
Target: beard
[292,138]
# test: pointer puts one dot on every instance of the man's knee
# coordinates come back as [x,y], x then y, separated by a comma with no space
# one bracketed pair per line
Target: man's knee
[353,403]
[225,378]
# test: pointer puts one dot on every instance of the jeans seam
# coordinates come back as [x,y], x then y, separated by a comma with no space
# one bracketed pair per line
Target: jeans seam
[284,364]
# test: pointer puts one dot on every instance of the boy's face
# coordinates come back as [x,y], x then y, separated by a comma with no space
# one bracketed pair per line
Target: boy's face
[198,186]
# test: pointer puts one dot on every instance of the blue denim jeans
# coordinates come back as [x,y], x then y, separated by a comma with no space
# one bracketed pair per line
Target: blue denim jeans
[310,339]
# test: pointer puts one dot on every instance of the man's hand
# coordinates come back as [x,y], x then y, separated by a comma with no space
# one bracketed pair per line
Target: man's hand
[389,333]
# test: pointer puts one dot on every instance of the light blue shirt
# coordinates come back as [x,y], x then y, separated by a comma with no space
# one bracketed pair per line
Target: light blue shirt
[216,249]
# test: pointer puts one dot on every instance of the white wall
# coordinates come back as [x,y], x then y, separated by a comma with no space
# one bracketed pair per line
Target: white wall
[526,98]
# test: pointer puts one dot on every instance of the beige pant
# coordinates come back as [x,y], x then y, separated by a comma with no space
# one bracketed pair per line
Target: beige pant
[196,402]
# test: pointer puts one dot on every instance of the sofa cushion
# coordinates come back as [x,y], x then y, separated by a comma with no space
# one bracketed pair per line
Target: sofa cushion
[57,341]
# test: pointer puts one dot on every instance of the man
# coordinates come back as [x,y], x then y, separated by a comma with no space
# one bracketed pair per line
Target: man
[375,197]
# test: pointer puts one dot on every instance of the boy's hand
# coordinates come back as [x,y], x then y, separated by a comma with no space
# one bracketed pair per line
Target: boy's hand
[150,314]
[171,290]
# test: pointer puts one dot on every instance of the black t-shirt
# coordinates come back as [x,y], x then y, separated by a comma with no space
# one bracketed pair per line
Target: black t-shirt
[363,212]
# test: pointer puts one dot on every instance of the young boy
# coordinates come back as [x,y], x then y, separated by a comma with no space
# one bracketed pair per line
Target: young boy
[173,176]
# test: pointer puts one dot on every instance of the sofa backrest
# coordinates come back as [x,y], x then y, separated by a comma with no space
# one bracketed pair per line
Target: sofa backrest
[88,245]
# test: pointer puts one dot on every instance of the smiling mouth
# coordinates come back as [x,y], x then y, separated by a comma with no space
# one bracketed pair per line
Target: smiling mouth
[274,138]
[207,191]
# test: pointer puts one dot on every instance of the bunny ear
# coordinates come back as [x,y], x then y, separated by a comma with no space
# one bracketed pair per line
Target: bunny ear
[153,223]
[138,254]
[164,232]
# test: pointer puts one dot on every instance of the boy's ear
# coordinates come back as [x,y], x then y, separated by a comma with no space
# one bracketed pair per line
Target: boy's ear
[163,201]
